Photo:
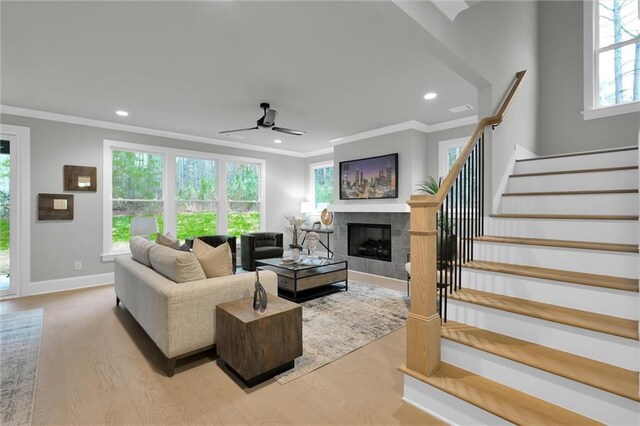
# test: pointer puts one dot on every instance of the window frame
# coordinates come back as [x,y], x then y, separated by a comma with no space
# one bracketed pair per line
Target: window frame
[169,187]
[591,54]
[443,153]
[312,180]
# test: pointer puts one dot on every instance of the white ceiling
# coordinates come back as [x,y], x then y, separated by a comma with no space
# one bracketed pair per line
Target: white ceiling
[333,69]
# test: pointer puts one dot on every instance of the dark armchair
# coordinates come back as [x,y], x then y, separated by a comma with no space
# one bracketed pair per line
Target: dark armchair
[259,245]
[215,241]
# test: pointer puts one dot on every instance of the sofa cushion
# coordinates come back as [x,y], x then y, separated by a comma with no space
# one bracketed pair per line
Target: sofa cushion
[168,240]
[215,261]
[140,248]
[178,266]
[267,252]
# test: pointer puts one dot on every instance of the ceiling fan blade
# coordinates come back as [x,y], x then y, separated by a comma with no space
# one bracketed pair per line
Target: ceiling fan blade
[240,130]
[288,131]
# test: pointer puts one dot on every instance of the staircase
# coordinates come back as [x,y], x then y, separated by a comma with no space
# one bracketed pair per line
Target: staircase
[545,327]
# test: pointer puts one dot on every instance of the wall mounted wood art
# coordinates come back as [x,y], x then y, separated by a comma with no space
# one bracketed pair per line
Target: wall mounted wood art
[55,207]
[80,178]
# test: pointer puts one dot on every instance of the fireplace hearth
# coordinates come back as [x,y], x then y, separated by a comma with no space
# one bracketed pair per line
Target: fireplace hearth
[370,241]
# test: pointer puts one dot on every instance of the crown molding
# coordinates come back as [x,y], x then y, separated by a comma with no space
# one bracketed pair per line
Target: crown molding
[52,116]
[407,125]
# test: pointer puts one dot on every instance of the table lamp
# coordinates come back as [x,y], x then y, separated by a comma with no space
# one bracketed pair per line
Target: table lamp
[144,226]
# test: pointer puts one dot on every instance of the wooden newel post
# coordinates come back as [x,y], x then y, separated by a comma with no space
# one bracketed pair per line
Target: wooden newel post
[423,321]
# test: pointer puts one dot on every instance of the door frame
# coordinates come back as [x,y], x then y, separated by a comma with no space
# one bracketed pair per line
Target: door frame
[21,209]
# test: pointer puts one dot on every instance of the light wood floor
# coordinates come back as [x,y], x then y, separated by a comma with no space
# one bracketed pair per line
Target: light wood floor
[97,366]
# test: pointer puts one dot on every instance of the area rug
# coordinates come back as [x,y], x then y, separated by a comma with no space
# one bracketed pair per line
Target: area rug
[20,334]
[335,325]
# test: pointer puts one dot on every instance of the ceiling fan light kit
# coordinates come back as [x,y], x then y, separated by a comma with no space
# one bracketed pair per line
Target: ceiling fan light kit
[268,121]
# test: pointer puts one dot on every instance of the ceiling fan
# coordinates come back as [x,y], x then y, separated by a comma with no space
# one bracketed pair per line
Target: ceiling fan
[268,121]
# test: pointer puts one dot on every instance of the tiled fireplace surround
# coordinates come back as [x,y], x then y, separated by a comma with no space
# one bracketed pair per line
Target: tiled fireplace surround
[399,243]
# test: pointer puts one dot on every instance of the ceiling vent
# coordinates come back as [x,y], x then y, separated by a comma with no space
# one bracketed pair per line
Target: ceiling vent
[233,136]
[461,108]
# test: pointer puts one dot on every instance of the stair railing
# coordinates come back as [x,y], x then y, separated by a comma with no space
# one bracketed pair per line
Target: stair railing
[442,229]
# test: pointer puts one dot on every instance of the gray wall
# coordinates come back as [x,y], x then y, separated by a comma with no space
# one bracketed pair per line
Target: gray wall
[488,44]
[56,245]
[413,164]
[561,127]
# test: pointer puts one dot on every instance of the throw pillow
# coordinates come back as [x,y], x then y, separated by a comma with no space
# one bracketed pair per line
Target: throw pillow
[215,261]
[140,247]
[168,240]
[178,266]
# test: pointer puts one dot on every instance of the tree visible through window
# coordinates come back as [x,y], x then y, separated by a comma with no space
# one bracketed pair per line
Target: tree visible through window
[196,197]
[323,186]
[243,198]
[137,190]
[618,52]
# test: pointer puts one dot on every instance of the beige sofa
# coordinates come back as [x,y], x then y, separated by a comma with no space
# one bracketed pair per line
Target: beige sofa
[180,317]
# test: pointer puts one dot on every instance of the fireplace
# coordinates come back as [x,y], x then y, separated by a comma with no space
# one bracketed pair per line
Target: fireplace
[368,240]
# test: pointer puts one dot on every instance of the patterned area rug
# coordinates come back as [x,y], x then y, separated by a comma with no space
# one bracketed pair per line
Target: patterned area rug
[20,334]
[335,325]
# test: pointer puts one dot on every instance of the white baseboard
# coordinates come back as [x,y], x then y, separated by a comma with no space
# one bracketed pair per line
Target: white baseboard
[378,278]
[71,283]
[519,153]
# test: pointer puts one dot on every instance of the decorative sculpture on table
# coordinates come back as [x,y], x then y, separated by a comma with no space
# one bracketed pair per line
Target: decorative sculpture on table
[312,241]
[259,295]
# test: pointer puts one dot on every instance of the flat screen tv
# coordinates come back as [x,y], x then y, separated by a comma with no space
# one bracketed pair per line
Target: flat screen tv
[370,178]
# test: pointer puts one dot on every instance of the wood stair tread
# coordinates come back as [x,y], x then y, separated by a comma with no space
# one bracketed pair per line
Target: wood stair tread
[586,245]
[564,216]
[505,402]
[590,192]
[603,376]
[578,154]
[573,317]
[605,281]
[569,172]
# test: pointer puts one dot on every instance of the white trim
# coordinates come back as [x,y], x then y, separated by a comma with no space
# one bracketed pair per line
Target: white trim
[370,208]
[45,115]
[407,125]
[362,276]
[21,262]
[443,153]
[610,111]
[169,211]
[70,283]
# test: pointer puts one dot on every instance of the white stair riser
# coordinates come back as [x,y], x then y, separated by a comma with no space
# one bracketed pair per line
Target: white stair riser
[624,179]
[446,407]
[588,401]
[604,204]
[616,264]
[622,304]
[602,347]
[592,161]
[605,231]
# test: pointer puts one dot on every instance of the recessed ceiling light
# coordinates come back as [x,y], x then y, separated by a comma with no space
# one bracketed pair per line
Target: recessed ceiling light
[430,96]
[122,113]
[278,141]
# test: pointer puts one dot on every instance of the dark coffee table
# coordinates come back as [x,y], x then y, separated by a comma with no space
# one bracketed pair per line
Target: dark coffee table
[308,278]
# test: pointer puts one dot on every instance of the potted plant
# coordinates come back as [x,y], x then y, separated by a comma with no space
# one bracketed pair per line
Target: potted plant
[431,186]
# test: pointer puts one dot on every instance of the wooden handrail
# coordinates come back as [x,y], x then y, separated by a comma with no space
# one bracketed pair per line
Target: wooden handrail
[494,120]
[423,320]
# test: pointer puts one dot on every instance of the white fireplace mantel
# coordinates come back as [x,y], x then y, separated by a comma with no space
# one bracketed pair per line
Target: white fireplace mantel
[369,208]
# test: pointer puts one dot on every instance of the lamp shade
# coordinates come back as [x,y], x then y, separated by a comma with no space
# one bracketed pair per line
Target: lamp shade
[144,225]
[307,207]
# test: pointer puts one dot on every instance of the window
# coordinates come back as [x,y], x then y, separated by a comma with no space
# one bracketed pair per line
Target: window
[612,57]
[137,190]
[448,152]
[190,192]
[243,198]
[321,184]
[196,197]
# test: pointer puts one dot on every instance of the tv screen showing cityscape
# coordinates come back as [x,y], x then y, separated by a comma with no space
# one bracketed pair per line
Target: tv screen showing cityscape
[369,178]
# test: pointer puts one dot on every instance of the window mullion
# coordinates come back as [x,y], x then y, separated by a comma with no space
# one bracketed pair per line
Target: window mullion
[222,198]
[618,45]
[169,195]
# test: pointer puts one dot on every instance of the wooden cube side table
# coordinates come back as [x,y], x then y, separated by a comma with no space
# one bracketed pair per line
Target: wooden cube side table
[259,345]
